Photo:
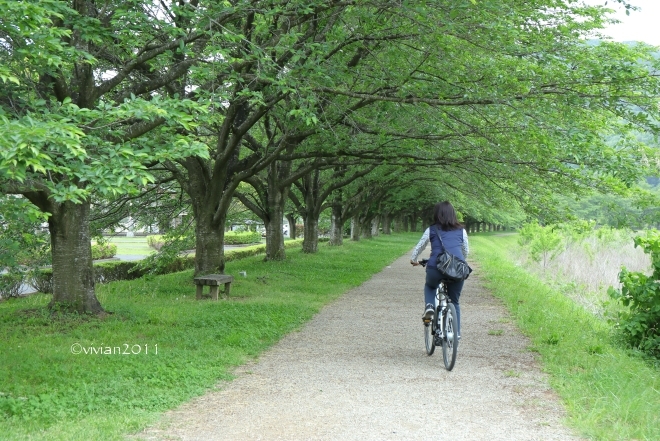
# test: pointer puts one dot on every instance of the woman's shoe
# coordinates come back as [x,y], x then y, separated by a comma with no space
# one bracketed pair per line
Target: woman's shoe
[428,312]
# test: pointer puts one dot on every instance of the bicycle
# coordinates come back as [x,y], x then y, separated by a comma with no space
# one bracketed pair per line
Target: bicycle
[440,329]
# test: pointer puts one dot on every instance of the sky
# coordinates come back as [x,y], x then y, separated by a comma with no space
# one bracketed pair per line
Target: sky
[642,25]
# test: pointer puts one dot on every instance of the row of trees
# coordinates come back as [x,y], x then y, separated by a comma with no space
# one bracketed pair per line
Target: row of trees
[366,109]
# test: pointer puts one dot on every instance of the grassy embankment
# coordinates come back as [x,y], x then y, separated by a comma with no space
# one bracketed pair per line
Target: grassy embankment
[610,394]
[49,393]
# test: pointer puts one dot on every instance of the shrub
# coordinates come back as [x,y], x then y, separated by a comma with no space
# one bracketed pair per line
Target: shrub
[22,241]
[10,284]
[528,232]
[545,246]
[296,242]
[576,230]
[103,251]
[242,253]
[105,272]
[639,323]
[544,243]
[42,280]
[180,263]
[170,248]
[156,242]
[234,238]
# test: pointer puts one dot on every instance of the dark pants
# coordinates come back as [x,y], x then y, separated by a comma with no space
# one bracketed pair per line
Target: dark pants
[454,289]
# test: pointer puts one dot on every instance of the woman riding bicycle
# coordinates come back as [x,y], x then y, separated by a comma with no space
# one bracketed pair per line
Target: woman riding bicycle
[455,239]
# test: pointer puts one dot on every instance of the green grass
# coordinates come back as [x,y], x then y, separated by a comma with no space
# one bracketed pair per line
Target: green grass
[49,393]
[131,245]
[609,392]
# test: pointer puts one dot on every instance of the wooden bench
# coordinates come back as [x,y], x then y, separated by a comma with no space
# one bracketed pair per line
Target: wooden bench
[213,280]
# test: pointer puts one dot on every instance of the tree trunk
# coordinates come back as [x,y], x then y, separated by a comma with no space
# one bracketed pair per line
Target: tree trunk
[275,238]
[355,228]
[375,224]
[209,244]
[336,226]
[366,229]
[387,224]
[73,272]
[311,210]
[277,196]
[413,222]
[398,224]
[292,225]
[404,222]
[311,227]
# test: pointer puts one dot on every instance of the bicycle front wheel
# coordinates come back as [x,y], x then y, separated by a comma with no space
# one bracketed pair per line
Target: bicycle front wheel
[429,338]
[450,337]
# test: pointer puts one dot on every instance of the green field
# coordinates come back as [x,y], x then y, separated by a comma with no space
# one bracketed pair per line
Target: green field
[49,393]
[131,246]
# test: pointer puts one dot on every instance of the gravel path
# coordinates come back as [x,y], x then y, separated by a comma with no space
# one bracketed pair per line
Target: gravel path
[358,371]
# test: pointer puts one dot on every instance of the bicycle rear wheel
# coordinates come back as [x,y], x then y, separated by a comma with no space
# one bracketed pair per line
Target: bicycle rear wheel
[450,337]
[429,338]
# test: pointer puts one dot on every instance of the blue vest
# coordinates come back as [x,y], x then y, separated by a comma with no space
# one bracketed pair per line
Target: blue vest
[453,241]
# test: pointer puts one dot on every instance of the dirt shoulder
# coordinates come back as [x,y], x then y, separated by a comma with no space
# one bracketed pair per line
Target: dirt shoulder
[358,371]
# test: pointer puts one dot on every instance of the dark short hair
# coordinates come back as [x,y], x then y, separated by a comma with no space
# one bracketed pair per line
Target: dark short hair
[445,216]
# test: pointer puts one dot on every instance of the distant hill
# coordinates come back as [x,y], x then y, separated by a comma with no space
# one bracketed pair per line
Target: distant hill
[596,42]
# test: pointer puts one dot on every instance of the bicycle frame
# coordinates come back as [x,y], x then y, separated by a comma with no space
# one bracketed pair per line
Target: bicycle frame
[441,300]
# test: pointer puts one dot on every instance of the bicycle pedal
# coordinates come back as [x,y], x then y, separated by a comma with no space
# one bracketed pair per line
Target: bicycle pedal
[426,321]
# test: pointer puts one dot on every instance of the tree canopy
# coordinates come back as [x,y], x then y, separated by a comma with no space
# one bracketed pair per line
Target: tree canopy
[499,106]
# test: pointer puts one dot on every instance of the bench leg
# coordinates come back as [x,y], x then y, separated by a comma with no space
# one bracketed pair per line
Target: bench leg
[227,288]
[200,289]
[214,292]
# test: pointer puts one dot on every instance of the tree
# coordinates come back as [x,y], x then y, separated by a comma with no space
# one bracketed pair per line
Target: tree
[267,200]
[275,47]
[316,188]
[74,124]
